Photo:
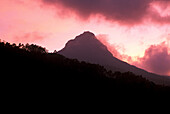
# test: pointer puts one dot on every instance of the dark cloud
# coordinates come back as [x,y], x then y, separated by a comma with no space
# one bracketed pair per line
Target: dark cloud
[156,59]
[122,11]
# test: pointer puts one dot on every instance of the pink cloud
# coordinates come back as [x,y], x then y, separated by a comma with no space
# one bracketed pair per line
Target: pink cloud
[114,48]
[159,12]
[111,47]
[29,37]
[156,59]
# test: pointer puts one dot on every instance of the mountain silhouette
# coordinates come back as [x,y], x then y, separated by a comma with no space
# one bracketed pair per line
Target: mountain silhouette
[30,73]
[86,47]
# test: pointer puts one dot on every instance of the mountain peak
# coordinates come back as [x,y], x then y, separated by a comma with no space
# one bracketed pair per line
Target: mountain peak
[87,35]
[86,47]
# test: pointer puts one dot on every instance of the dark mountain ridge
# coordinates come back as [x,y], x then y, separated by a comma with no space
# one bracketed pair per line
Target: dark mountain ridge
[86,47]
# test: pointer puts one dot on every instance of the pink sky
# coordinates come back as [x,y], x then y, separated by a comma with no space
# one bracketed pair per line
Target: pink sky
[138,34]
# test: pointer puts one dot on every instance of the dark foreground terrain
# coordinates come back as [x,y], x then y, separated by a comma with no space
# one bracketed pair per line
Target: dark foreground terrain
[28,72]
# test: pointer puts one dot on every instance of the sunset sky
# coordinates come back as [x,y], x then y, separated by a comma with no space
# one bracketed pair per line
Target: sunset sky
[136,31]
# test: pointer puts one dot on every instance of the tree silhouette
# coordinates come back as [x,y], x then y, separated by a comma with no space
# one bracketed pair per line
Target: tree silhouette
[30,67]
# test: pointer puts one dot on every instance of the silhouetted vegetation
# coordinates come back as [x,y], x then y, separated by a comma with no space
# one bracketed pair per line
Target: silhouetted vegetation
[29,69]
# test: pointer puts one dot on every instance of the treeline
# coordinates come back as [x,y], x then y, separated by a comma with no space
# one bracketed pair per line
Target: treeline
[31,68]
[27,47]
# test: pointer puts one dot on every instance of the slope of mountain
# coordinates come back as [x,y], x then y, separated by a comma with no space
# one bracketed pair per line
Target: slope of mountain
[86,47]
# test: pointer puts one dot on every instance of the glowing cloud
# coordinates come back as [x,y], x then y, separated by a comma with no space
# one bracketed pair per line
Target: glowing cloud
[156,59]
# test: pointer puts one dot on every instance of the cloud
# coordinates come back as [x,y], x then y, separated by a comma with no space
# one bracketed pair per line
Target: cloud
[111,47]
[114,48]
[156,59]
[29,37]
[121,11]
[159,11]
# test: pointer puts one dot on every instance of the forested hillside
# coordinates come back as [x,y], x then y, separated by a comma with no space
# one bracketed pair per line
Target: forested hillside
[31,68]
